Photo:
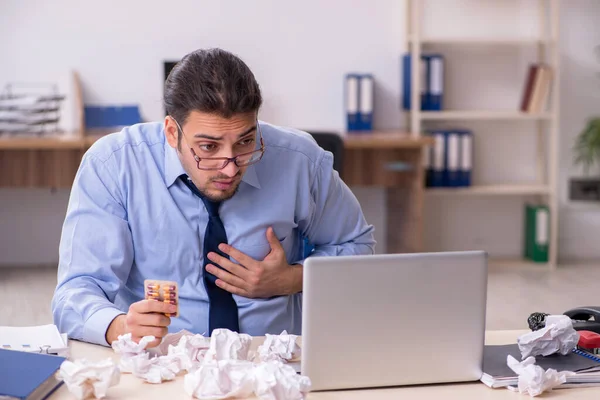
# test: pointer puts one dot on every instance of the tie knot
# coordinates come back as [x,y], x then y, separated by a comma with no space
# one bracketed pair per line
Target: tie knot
[211,206]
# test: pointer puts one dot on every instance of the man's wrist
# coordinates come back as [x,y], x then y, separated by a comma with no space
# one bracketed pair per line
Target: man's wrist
[115,329]
[295,282]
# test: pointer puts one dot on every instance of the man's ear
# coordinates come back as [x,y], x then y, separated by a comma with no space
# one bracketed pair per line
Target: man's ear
[171,132]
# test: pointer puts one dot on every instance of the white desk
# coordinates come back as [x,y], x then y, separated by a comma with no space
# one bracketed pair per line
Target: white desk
[131,387]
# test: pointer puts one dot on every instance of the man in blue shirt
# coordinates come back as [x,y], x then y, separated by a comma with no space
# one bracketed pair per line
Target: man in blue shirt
[212,199]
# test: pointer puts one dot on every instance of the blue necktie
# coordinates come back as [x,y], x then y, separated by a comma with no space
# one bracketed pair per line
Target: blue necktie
[223,312]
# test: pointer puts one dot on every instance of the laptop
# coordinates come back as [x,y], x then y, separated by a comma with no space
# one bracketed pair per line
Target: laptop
[393,319]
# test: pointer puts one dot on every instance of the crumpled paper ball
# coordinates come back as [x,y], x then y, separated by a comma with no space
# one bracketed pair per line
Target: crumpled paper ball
[274,380]
[557,337]
[125,345]
[228,345]
[153,369]
[194,346]
[86,379]
[220,380]
[279,348]
[172,339]
[533,380]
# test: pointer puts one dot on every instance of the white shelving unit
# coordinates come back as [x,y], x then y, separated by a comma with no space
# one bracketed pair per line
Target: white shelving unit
[481,115]
[547,123]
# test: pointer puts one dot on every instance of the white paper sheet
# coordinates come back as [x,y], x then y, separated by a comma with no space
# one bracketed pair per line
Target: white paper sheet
[42,338]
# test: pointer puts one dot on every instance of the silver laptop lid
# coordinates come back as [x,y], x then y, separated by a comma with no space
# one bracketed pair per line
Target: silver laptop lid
[396,319]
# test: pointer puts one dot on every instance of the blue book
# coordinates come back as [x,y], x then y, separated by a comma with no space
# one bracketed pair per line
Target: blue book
[351,93]
[25,375]
[439,159]
[466,157]
[365,105]
[452,172]
[406,81]
[435,92]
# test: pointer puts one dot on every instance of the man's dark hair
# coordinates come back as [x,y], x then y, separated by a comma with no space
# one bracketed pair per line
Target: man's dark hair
[211,81]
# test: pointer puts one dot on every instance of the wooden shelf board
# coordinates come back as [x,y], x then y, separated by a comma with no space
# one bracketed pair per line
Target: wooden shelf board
[503,262]
[492,190]
[39,143]
[492,41]
[482,115]
[384,139]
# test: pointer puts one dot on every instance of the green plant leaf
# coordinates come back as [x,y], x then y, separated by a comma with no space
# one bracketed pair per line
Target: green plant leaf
[586,149]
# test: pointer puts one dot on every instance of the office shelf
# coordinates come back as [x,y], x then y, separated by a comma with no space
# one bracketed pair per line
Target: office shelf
[544,125]
[492,41]
[41,143]
[385,140]
[520,263]
[492,190]
[482,115]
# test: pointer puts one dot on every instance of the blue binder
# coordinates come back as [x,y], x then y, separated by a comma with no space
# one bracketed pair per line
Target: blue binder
[428,163]
[406,82]
[351,93]
[466,157]
[366,93]
[439,159]
[452,153]
[111,117]
[435,92]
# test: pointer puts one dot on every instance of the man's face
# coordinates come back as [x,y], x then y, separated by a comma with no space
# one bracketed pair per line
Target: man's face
[211,135]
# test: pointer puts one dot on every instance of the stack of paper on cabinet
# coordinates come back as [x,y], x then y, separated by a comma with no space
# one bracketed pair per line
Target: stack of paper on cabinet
[496,372]
[34,339]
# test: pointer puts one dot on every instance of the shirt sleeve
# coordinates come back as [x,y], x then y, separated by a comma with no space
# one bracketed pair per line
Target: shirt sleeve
[95,254]
[336,225]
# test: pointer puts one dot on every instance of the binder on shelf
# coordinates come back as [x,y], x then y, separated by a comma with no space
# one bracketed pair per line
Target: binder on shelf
[406,82]
[435,94]
[428,163]
[351,100]
[466,157]
[365,106]
[439,159]
[537,232]
[452,156]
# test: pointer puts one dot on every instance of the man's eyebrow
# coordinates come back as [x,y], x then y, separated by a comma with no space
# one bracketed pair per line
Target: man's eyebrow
[241,135]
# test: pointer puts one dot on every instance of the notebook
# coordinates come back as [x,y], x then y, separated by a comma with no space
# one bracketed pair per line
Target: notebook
[34,339]
[28,376]
[496,372]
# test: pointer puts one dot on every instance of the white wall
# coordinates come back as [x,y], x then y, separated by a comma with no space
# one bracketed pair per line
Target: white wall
[299,53]
[580,98]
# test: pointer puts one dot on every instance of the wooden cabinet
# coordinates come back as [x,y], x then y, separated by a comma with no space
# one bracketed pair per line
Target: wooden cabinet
[391,160]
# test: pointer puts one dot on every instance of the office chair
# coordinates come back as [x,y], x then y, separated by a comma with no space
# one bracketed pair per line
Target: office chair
[332,142]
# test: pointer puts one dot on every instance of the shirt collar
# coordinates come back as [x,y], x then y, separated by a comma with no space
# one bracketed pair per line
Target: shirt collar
[174,169]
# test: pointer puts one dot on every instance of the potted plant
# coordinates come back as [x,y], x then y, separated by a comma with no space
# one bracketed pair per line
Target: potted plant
[587,145]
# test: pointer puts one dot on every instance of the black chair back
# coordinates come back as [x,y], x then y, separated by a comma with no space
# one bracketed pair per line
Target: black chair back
[333,143]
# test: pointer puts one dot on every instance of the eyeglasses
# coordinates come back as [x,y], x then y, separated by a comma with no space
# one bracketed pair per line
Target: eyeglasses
[217,163]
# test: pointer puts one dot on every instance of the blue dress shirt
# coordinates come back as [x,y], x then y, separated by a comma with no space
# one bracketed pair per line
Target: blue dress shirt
[129,219]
